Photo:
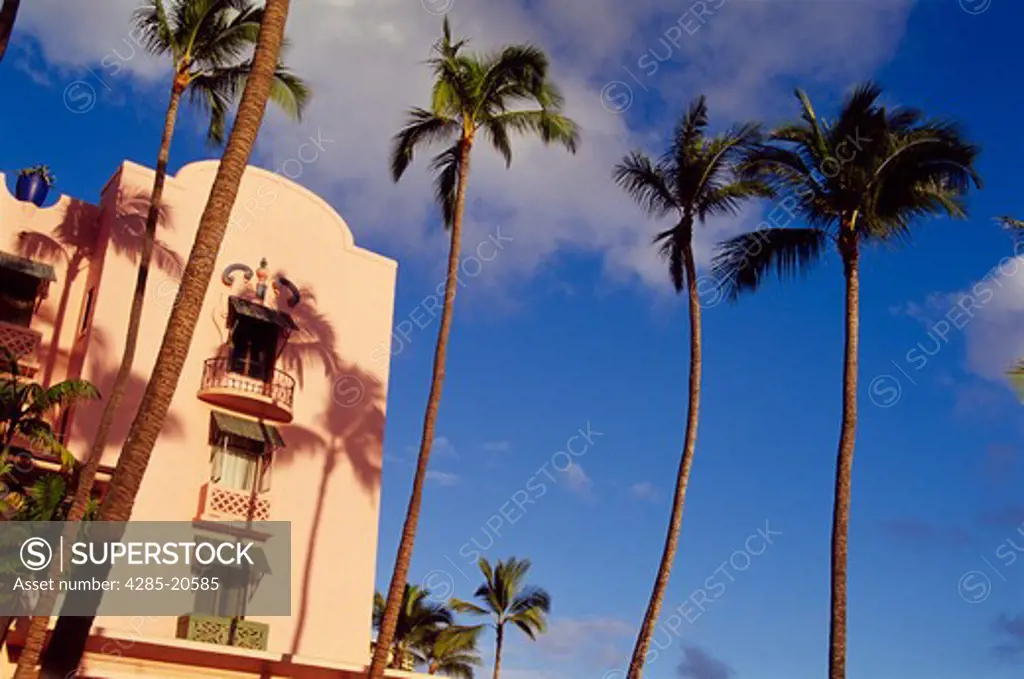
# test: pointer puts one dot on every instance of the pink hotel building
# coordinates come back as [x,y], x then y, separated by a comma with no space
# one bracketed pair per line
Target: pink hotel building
[279,413]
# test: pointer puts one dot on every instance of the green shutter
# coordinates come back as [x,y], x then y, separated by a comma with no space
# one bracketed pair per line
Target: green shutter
[27,266]
[253,430]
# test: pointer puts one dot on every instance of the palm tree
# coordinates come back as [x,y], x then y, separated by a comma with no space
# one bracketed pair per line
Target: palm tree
[68,641]
[471,94]
[208,42]
[451,651]
[692,181]
[419,620]
[8,13]
[508,599]
[26,409]
[857,180]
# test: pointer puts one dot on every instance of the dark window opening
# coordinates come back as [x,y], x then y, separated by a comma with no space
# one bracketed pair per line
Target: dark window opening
[18,293]
[253,348]
[86,311]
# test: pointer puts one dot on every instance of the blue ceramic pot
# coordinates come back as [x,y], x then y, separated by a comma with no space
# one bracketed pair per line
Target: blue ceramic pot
[32,188]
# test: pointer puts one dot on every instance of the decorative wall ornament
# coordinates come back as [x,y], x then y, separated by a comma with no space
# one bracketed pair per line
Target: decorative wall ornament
[262,275]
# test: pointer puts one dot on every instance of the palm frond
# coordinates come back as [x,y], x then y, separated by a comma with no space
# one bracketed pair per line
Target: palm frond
[218,91]
[460,606]
[551,128]
[447,170]
[1011,223]
[647,183]
[729,199]
[741,263]
[153,29]
[421,129]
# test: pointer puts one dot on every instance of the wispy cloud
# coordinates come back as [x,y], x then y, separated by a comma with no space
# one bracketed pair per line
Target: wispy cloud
[443,478]
[699,664]
[578,481]
[497,446]
[644,490]
[598,641]
[443,447]
[1011,632]
[549,201]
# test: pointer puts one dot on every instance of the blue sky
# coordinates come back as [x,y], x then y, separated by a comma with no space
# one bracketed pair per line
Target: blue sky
[571,326]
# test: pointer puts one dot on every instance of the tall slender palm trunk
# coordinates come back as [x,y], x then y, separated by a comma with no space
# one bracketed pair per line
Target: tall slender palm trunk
[643,640]
[71,634]
[844,466]
[498,643]
[74,268]
[389,621]
[8,13]
[6,622]
[86,479]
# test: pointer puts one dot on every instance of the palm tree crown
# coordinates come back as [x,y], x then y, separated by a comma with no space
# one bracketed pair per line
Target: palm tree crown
[211,43]
[450,651]
[861,178]
[507,599]
[473,93]
[419,619]
[693,180]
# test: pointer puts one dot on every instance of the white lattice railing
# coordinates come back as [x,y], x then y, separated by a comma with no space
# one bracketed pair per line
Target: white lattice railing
[23,343]
[226,504]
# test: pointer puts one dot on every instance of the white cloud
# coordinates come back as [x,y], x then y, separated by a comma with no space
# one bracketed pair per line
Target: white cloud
[579,637]
[443,478]
[364,60]
[578,481]
[989,314]
[443,447]
[644,490]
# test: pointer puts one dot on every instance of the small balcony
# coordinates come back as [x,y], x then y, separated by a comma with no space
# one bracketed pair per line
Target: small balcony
[241,388]
[217,503]
[211,629]
[24,344]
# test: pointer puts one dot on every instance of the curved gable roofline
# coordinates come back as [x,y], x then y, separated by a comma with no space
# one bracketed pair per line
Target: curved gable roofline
[204,168]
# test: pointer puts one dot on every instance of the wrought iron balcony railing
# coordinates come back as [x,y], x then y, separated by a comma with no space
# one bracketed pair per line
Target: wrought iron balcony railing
[246,387]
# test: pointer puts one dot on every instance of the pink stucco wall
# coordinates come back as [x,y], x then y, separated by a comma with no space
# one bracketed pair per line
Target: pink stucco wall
[326,482]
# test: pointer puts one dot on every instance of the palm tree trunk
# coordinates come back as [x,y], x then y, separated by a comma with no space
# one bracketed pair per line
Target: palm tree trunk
[86,479]
[71,634]
[498,643]
[844,468]
[8,13]
[74,262]
[412,516]
[643,641]
[6,622]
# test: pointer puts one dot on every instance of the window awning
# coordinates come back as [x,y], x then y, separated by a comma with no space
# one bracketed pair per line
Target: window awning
[261,313]
[248,429]
[27,266]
